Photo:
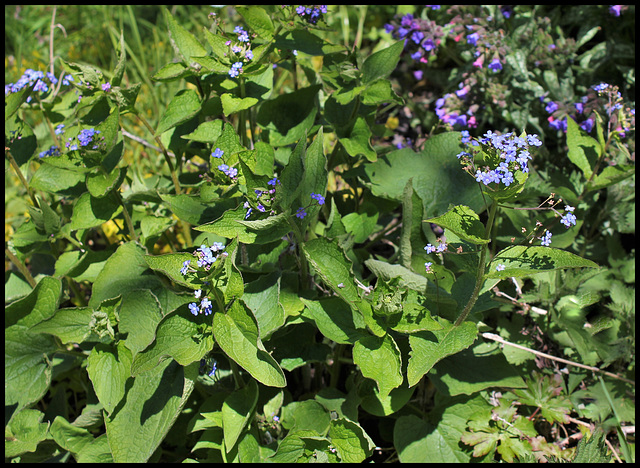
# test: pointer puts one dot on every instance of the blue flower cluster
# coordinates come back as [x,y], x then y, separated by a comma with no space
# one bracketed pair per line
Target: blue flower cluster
[242,51]
[206,257]
[442,246]
[37,79]
[569,219]
[230,171]
[513,151]
[311,13]
[53,151]
[85,137]
[601,99]
[263,197]
[301,213]
[421,37]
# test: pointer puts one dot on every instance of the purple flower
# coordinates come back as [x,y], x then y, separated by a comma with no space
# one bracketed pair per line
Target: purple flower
[551,107]
[318,197]
[473,38]
[495,65]
[106,87]
[587,125]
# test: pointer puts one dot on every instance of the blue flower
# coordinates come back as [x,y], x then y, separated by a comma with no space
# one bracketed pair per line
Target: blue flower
[206,306]
[495,65]
[185,267]
[193,307]
[546,239]
[218,153]
[473,38]
[301,213]
[318,197]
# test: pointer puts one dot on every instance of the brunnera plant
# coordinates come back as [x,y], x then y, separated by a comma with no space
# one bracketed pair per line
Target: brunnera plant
[280,283]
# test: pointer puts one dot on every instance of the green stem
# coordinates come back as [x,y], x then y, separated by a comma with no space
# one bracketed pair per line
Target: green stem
[481,267]
[304,267]
[23,269]
[186,227]
[127,218]
[23,181]
[236,374]
[335,367]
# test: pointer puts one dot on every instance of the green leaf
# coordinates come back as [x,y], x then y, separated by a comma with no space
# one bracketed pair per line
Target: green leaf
[523,260]
[351,441]
[54,179]
[464,222]
[140,313]
[52,221]
[359,140]
[171,72]
[258,20]
[378,405]
[473,370]
[20,140]
[125,270]
[151,406]
[360,225]
[236,332]
[39,305]
[378,92]
[70,325]
[232,104]
[90,212]
[292,176]
[118,73]
[262,297]
[379,359]
[289,116]
[611,175]
[335,319]
[237,412]
[329,261]
[24,432]
[592,450]
[381,63]
[232,224]
[546,393]
[427,348]
[100,184]
[194,210]
[184,43]
[13,101]
[27,366]
[315,168]
[584,151]
[207,132]
[184,106]
[171,264]
[175,338]
[438,178]
[109,367]
[415,437]
[306,42]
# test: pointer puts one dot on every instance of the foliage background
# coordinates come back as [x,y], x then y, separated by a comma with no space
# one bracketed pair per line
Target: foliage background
[605,300]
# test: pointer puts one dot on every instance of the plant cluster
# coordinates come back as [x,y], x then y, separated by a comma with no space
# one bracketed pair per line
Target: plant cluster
[225,259]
